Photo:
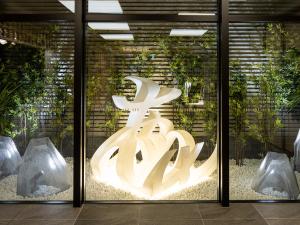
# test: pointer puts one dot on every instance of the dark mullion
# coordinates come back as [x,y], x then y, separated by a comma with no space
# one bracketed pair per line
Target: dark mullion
[223,103]
[79,106]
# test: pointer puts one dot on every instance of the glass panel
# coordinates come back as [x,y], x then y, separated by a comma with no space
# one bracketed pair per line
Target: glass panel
[264,110]
[264,7]
[129,157]
[36,111]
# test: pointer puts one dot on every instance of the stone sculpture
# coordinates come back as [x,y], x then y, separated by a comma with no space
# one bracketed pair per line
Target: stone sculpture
[115,161]
[10,158]
[275,176]
[43,170]
[297,152]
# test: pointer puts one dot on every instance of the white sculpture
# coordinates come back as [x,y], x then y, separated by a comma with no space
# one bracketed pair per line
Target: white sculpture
[115,161]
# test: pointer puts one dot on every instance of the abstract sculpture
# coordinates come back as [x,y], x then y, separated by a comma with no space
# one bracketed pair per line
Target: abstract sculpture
[297,152]
[43,170]
[153,176]
[275,176]
[10,158]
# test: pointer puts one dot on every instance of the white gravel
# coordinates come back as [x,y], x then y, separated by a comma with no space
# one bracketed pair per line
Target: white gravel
[8,189]
[240,187]
[240,181]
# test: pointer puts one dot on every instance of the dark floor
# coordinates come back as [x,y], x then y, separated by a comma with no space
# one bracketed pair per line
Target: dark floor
[152,214]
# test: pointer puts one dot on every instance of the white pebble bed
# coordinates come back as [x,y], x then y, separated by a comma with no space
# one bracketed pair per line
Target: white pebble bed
[240,181]
[95,191]
[8,189]
[240,187]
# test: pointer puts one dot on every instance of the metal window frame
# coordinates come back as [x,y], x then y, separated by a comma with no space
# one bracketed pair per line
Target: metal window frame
[80,17]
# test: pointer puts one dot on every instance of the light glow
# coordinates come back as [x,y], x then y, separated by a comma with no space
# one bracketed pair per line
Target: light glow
[104,7]
[195,14]
[187,32]
[121,37]
[3,42]
[155,175]
[108,26]
[95,6]
[111,178]
[69,4]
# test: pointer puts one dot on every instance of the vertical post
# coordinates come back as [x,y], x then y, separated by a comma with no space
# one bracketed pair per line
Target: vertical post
[79,105]
[223,102]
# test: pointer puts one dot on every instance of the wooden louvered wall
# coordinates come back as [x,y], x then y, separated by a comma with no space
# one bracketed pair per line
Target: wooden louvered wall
[57,42]
[102,54]
[128,6]
[247,41]
[265,7]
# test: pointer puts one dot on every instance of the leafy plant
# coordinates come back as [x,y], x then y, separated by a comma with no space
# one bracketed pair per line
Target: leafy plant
[22,82]
[142,64]
[238,104]
[190,70]
[277,84]
[290,70]
[61,104]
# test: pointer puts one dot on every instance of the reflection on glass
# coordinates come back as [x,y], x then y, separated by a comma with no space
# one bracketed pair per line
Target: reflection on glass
[120,163]
[264,111]
[36,111]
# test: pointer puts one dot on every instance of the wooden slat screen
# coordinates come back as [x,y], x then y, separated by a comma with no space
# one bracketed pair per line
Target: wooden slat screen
[128,6]
[103,55]
[57,42]
[264,7]
[247,41]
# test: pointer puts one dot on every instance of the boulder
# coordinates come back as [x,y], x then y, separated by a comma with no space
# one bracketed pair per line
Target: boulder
[10,158]
[43,170]
[276,177]
[297,153]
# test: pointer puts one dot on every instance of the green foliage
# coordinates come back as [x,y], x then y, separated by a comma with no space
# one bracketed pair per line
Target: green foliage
[290,70]
[277,82]
[109,81]
[190,70]
[22,82]
[142,63]
[115,84]
[61,104]
[238,104]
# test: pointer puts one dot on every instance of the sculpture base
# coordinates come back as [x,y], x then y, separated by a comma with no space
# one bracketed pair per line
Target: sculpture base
[112,179]
[240,187]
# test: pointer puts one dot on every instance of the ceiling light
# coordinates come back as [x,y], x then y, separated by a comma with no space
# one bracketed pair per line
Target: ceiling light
[195,14]
[69,4]
[187,32]
[95,6]
[104,7]
[109,26]
[3,42]
[123,37]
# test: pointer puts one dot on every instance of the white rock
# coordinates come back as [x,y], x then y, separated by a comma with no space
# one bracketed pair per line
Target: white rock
[10,158]
[275,176]
[43,168]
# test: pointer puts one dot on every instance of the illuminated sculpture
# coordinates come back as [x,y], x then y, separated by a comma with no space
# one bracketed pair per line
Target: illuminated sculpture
[297,152]
[275,176]
[10,158]
[153,176]
[43,170]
